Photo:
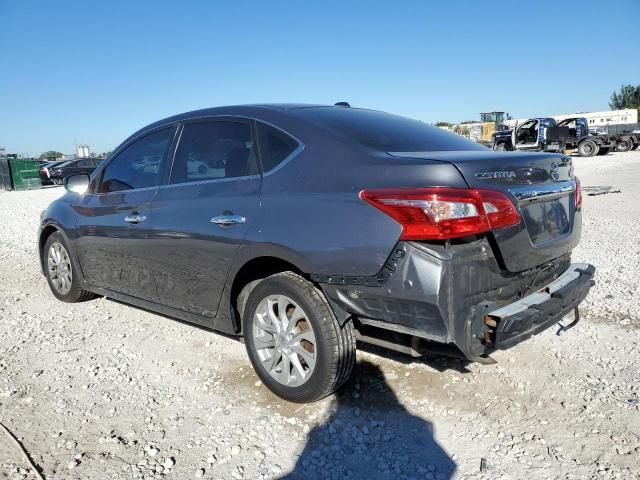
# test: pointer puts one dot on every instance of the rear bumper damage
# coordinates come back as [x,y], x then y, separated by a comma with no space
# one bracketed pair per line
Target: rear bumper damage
[534,313]
[461,296]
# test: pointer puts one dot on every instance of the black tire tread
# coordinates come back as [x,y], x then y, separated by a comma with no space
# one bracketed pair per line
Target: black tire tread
[341,340]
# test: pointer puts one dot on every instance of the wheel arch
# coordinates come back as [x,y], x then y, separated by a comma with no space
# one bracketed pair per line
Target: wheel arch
[248,275]
[45,233]
[48,230]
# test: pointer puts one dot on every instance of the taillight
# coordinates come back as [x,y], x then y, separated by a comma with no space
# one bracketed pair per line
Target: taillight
[578,194]
[440,213]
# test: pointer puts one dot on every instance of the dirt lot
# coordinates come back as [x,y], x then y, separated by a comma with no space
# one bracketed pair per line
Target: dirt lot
[102,390]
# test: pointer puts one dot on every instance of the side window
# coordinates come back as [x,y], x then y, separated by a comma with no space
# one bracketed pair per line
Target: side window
[212,150]
[139,165]
[275,146]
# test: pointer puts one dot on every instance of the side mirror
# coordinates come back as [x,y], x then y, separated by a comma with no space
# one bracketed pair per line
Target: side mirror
[78,183]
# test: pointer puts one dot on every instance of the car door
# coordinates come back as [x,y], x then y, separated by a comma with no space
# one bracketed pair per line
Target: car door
[526,136]
[199,219]
[113,217]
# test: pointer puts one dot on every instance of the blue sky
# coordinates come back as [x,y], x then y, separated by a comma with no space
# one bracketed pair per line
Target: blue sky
[96,71]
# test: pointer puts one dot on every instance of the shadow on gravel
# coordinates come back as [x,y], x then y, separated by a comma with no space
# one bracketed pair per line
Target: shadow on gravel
[371,436]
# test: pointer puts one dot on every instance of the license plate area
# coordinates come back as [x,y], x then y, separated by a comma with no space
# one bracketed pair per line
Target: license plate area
[547,220]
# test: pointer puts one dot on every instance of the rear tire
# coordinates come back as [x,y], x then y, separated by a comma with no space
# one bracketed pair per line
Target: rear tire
[61,271]
[588,148]
[624,145]
[280,310]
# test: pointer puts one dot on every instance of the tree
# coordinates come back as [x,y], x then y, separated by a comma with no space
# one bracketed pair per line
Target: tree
[443,124]
[627,97]
[50,154]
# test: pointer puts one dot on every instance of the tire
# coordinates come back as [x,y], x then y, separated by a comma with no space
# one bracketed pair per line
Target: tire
[604,151]
[624,145]
[59,270]
[202,169]
[588,148]
[329,349]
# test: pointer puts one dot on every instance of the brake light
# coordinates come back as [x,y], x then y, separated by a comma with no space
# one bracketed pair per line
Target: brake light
[578,194]
[441,212]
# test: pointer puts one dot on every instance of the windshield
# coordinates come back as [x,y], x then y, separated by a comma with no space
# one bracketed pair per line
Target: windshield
[386,132]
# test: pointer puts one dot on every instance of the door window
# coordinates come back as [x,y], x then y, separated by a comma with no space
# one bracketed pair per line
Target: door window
[139,165]
[214,150]
[275,146]
[527,132]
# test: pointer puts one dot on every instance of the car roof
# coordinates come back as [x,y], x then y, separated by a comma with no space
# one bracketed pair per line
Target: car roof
[65,163]
[245,110]
[256,110]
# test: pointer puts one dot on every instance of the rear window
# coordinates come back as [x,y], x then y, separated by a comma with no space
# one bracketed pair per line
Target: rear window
[386,132]
[275,146]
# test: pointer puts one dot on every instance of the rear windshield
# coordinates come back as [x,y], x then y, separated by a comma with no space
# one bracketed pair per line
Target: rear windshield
[386,132]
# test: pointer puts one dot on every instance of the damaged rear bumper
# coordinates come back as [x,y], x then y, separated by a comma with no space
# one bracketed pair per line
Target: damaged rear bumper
[516,322]
[431,295]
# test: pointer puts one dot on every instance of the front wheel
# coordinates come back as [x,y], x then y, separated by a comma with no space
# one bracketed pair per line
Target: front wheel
[295,344]
[61,271]
[501,147]
[588,148]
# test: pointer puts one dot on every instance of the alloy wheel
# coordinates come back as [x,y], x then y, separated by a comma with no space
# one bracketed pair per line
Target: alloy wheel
[284,340]
[59,268]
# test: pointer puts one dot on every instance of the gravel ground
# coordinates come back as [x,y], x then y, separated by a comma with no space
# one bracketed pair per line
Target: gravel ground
[103,390]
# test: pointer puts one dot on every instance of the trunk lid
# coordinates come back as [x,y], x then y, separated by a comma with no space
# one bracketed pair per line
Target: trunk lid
[543,189]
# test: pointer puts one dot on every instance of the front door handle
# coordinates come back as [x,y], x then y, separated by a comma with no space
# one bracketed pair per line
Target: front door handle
[228,220]
[135,219]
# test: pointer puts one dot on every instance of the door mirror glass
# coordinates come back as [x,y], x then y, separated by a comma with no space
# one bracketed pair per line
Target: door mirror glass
[78,183]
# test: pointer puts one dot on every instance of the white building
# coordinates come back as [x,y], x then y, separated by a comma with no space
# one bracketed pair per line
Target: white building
[602,119]
[82,151]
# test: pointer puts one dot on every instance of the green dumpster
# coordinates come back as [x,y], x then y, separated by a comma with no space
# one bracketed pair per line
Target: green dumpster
[5,173]
[25,174]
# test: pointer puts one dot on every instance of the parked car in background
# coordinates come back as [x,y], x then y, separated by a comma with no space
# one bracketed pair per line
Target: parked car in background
[59,172]
[45,171]
[311,227]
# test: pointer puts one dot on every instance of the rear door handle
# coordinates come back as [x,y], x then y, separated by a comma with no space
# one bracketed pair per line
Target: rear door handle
[135,219]
[228,220]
